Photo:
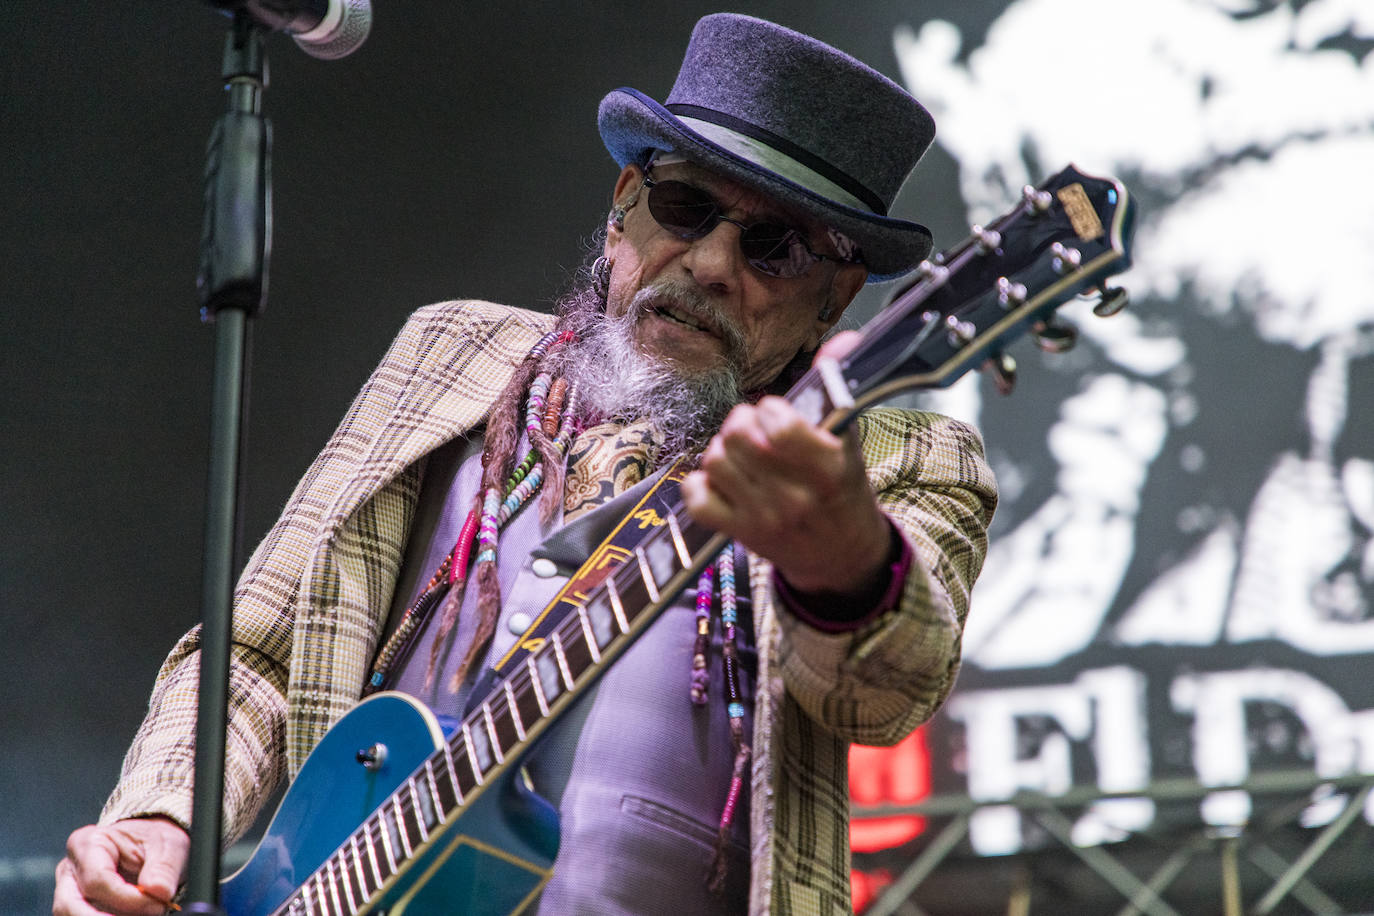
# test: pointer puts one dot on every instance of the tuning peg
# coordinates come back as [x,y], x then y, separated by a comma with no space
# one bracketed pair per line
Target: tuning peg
[1114,299]
[1009,294]
[1064,259]
[988,239]
[1039,200]
[1055,336]
[936,274]
[960,331]
[1002,369]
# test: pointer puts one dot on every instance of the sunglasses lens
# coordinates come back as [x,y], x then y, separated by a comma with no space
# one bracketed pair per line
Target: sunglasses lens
[689,212]
[774,249]
[683,210]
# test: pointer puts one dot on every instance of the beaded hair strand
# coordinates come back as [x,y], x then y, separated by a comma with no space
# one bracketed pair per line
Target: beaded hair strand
[501,439]
[498,475]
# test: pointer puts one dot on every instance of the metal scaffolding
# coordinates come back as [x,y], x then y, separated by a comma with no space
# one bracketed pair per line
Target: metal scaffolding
[1283,876]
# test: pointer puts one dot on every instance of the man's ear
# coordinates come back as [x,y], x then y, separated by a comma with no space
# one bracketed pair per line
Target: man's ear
[844,286]
[626,189]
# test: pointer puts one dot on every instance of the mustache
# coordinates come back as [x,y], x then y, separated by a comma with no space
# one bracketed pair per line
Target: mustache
[691,300]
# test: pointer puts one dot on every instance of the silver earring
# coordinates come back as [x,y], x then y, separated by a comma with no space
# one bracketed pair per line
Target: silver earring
[601,276]
[618,218]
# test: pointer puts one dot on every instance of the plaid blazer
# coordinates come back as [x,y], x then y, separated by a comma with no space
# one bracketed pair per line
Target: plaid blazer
[314,598]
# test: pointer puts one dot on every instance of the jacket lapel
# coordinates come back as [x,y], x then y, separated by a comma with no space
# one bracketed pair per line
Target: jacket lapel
[447,387]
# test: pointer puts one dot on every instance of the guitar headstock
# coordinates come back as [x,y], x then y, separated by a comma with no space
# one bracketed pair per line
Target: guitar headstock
[966,304]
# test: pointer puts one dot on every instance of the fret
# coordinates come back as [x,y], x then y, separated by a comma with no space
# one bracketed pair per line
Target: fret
[332,878]
[576,652]
[634,591]
[662,559]
[646,574]
[398,819]
[384,834]
[534,685]
[599,615]
[363,890]
[836,388]
[466,778]
[527,698]
[491,730]
[416,809]
[504,720]
[684,555]
[320,893]
[472,754]
[372,855]
[453,797]
[562,660]
[514,708]
[587,632]
[427,801]
[617,608]
[441,803]
[347,883]
[305,896]
[296,907]
[809,401]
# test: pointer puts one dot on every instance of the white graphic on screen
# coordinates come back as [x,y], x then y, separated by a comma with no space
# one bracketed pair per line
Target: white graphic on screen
[1247,131]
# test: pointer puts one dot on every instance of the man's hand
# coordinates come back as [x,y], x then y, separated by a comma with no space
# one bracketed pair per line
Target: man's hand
[794,494]
[104,864]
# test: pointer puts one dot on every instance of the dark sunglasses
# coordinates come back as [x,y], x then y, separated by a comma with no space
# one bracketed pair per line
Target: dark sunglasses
[690,213]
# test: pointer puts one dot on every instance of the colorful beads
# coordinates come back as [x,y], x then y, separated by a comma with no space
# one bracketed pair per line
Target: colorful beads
[701,678]
[549,405]
[558,393]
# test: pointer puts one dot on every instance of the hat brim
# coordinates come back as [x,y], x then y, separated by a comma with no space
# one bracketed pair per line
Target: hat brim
[631,124]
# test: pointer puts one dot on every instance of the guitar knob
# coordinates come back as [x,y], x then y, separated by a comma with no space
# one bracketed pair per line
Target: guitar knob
[1114,299]
[1002,369]
[1055,336]
[1064,259]
[372,757]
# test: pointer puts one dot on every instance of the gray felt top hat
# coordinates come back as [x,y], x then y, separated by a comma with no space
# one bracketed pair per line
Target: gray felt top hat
[794,118]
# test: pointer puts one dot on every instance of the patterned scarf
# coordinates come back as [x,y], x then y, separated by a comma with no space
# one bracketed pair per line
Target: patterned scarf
[605,461]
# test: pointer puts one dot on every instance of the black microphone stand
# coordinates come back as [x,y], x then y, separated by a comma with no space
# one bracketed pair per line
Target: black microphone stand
[235,245]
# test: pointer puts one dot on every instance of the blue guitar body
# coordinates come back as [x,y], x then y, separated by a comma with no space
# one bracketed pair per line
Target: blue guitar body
[489,862]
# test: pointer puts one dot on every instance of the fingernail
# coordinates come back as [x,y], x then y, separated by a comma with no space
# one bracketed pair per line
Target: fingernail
[156,898]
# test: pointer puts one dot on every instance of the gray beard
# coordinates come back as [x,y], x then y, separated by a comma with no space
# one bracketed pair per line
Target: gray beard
[615,381]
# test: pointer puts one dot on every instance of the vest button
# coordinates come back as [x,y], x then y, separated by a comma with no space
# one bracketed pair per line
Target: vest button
[519,622]
[544,568]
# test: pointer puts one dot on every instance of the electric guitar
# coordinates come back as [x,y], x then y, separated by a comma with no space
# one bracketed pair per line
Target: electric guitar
[393,814]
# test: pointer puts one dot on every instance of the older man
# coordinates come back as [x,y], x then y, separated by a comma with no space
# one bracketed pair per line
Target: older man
[706,773]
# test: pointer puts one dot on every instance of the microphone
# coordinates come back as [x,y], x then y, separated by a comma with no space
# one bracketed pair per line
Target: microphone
[327,29]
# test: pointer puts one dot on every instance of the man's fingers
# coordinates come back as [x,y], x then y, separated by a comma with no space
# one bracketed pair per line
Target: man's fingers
[105,866]
[165,850]
[704,505]
[67,899]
